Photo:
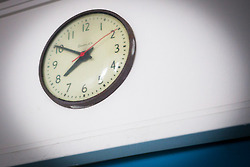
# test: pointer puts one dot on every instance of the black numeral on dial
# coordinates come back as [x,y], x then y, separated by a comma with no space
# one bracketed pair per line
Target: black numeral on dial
[101,26]
[84,88]
[58,79]
[117,49]
[71,35]
[113,35]
[85,27]
[59,49]
[100,81]
[55,64]
[113,65]
[69,84]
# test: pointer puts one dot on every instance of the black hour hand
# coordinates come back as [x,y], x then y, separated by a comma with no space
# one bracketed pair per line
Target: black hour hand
[77,63]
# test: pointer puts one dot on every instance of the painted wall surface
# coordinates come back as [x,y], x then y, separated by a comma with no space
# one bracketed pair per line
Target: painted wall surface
[191,74]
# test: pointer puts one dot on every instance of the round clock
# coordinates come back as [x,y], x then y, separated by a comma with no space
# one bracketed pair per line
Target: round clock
[87,58]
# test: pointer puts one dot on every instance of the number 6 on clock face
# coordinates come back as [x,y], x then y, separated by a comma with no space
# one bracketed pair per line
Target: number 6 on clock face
[87,58]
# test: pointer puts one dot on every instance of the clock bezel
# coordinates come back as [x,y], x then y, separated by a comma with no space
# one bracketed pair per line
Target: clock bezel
[111,88]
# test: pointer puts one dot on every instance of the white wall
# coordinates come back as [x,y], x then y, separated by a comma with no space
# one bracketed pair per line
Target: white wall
[191,74]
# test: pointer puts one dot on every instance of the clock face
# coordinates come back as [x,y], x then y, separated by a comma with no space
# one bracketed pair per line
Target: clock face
[87,58]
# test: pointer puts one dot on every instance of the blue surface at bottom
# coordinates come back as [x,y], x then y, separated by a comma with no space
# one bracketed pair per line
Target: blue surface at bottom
[228,147]
[227,153]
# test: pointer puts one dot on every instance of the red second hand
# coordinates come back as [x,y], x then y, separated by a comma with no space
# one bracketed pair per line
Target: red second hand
[83,53]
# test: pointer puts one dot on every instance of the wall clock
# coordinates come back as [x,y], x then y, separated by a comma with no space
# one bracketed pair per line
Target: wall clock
[87,58]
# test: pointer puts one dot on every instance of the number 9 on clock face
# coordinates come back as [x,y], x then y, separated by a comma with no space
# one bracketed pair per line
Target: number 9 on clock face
[87,58]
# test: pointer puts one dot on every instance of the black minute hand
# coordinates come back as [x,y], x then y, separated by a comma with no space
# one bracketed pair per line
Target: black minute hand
[70,50]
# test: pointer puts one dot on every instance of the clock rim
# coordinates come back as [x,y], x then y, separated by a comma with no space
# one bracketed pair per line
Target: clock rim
[111,88]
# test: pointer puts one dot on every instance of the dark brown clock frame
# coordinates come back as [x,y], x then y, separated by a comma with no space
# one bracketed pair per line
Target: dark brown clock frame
[118,81]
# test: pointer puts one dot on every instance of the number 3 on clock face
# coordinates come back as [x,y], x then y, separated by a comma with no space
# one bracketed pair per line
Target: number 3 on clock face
[87,58]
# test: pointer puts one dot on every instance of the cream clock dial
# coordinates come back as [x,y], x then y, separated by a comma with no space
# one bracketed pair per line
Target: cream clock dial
[87,58]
